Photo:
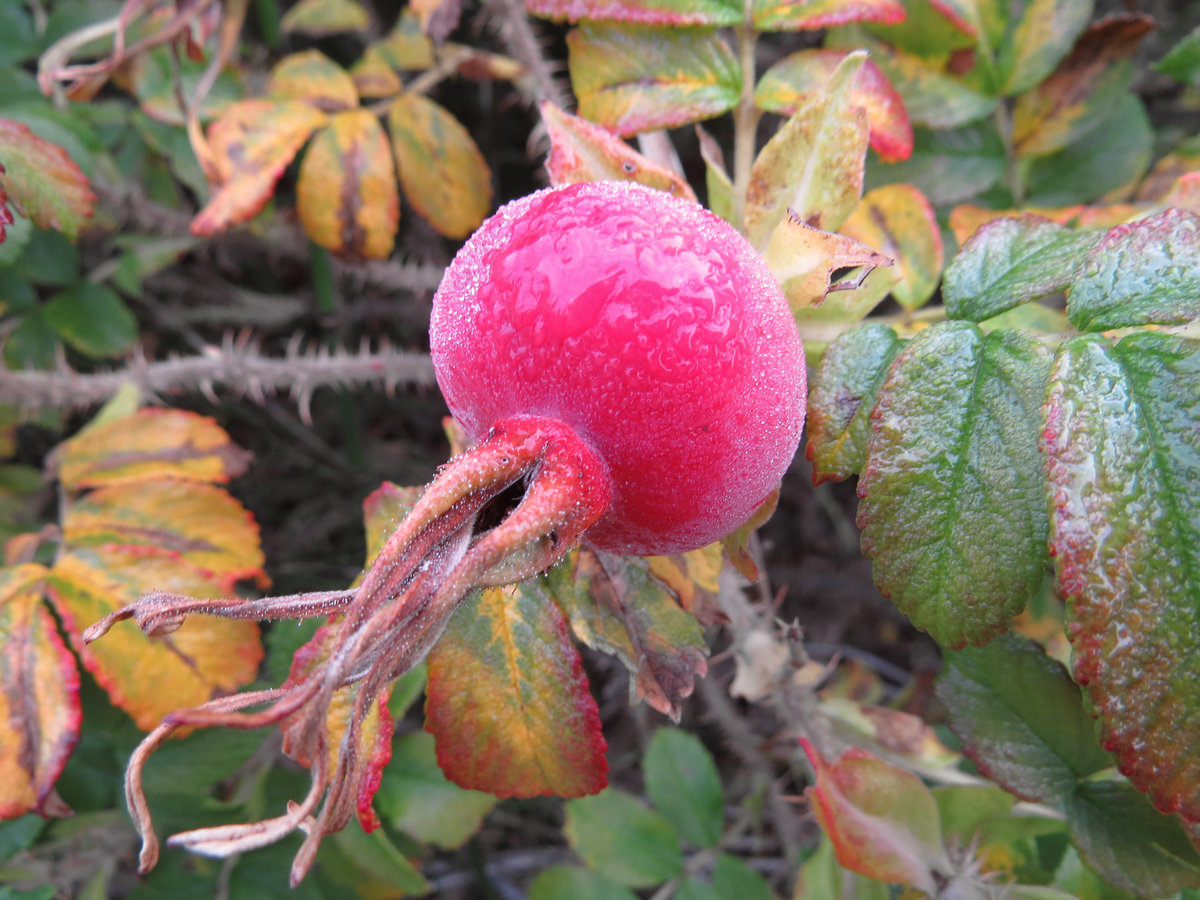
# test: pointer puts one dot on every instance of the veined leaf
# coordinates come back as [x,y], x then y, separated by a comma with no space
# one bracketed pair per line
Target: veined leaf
[813,166]
[252,143]
[635,78]
[584,151]
[843,396]
[953,512]
[644,12]
[615,605]
[1120,443]
[683,784]
[153,443]
[1042,38]
[783,87]
[346,194]
[948,166]
[803,260]
[39,697]
[92,318]
[967,218]
[149,677]
[900,223]
[42,181]
[444,175]
[1010,261]
[616,835]
[1143,273]
[793,15]
[1021,719]
[508,700]
[312,77]
[322,17]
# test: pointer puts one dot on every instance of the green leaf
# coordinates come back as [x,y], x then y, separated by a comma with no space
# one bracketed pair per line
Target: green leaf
[953,512]
[1144,273]
[1182,62]
[1081,881]
[31,344]
[1008,262]
[733,878]
[644,12]
[964,808]
[683,784]
[842,397]
[92,319]
[812,167]
[1043,37]
[822,878]
[635,78]
[561,882]
[615,834]
[370,864]
[1121,836]
[1120,442]
[49,259]
[416,798]
[1021,718]
[948,166]
[18,834]
[18,40]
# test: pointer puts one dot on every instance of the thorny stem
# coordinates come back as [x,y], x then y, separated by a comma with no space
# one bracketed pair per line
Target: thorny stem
[434,559]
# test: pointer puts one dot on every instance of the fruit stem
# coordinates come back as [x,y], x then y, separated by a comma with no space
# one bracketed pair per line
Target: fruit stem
[385,627]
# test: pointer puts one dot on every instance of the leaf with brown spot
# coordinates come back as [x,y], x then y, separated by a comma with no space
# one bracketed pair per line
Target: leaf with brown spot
[150,677]
[153,443]
[480,65]
[39,697]
[693,578]
[312,77]
[42,182]
[323,17]
[584,151]
[615,605]
[444,175]
[900,223]
[252,143]
[803,259]
[374,76]
[346,194]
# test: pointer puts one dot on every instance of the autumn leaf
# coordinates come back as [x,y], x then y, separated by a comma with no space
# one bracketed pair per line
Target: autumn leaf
[791,15]
[374,76]
[313,78]
[693,578]
[39,697]
[41,181]
[322,17]
[646,12]
[346,194]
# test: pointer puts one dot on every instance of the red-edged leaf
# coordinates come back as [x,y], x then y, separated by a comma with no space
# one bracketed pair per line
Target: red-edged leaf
[150,677]
[882,820]
[1120,443]
[346,194]
[583,151]
[41,181]
[645,12]
[252,143]
[635,78]
[792,15]
[615,605]
[508,700]
[153,443]
[312,77]
[899,222]
[444,175]
[39,697]
[322,17]
[783,87]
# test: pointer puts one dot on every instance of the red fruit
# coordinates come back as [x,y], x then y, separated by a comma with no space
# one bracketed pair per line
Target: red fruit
[648,326]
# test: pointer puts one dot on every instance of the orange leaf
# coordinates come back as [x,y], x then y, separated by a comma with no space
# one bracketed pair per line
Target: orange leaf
[149,677]
[200,523]
[39,697]
[584,151]
[314,78]
[444,175]
[153,443]
[41,181]
[252,143]
[346,194]
[898,221]
[509,703]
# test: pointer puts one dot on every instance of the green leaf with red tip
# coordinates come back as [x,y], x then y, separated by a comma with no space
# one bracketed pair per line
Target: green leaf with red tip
[1042,38]
[1120,442]
[842,397]
[42,182]
[312,77]
[346,194]
[883,822]
[39,697]
[1147,272]
[953,514]
[509,703]
[809,15]
[813,166]
[644,12]
[616,605]
[783,87]
[1010,261]
[1021,719]
[444,175]
[635,78]
[584,151]
[324,17]
[928,30]
[614,833]
[899,222]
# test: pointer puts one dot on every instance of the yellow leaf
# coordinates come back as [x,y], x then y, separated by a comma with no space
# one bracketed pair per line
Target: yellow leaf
[444,175]
[803,259]
[374,76]
[898,221]
[692,578]
[346,194]
[314,78]
[321,17]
